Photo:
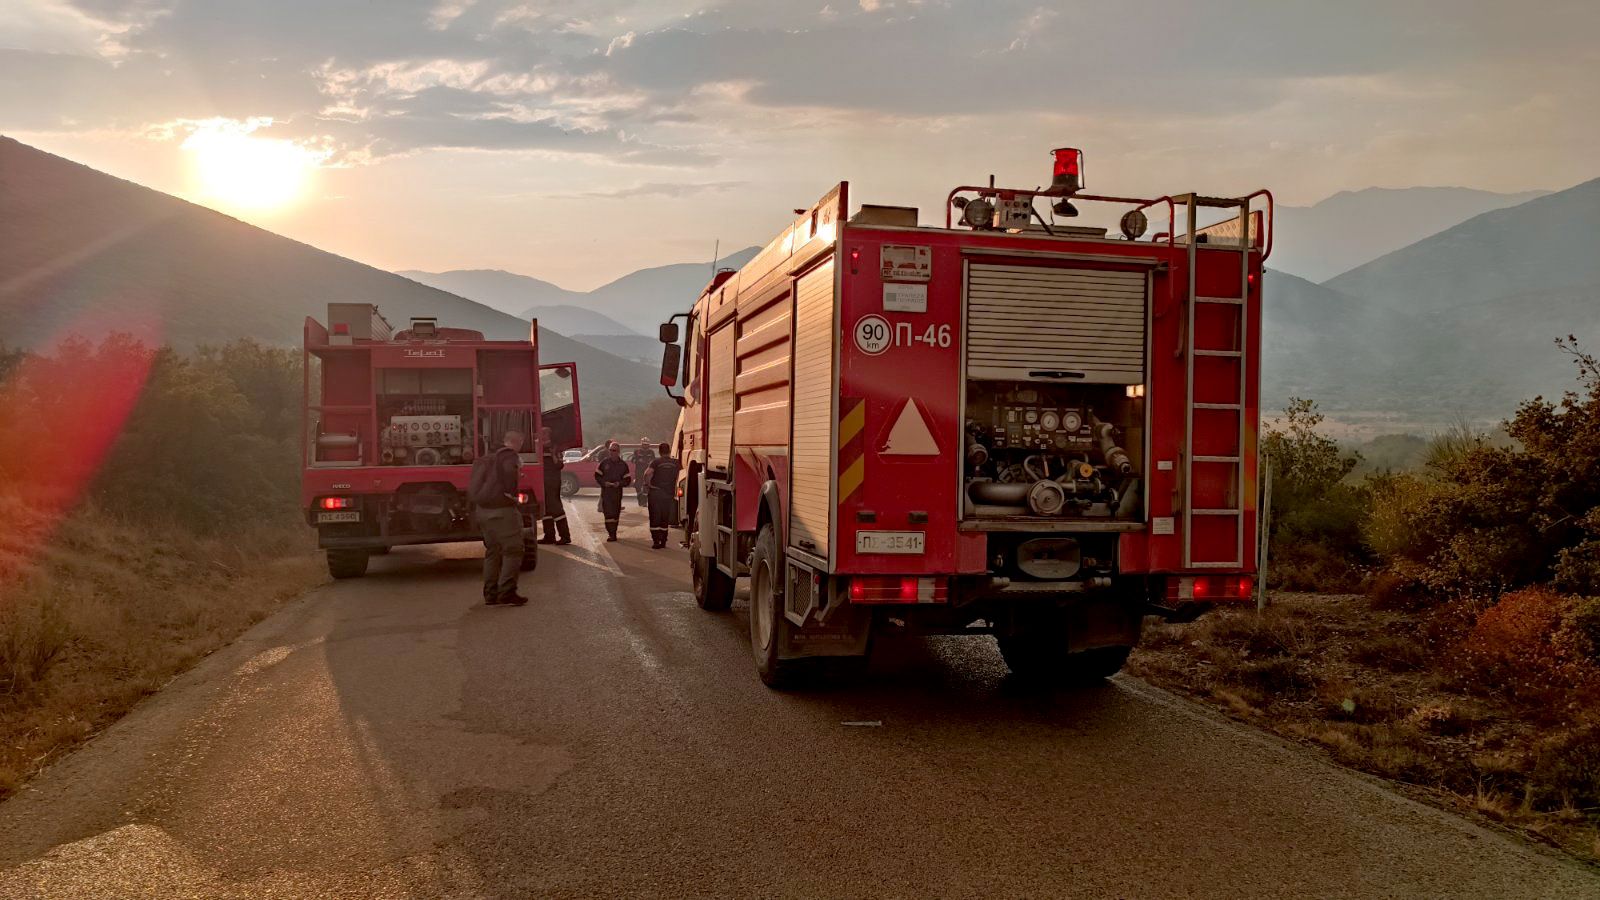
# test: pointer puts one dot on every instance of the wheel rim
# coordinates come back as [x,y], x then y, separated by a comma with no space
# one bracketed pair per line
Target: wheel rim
[761,604]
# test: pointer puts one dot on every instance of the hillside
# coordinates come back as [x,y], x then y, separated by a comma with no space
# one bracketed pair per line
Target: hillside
[87,253]
[1457,326]
[631,305]
[646,298]
[1350,228]
[506,291]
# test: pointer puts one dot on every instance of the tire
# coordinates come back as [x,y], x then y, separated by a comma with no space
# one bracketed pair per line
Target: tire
[530,555]
[347,563]
[569,484]
[769,628]
[1041,655]
[713,589]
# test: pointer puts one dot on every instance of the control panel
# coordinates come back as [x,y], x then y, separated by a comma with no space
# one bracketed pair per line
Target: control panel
[1060,429]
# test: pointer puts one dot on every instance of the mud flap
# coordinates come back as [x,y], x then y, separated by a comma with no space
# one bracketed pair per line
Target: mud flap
[846,634]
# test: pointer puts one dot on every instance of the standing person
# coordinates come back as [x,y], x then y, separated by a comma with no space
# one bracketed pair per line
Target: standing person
[555,515]
[493,492]
[661,477]
[612,475]
[641,461]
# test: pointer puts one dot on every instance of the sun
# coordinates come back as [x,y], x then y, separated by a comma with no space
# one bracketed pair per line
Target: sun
[237,170]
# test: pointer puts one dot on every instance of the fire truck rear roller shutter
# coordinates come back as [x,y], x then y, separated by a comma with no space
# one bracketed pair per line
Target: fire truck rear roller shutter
[1022,319]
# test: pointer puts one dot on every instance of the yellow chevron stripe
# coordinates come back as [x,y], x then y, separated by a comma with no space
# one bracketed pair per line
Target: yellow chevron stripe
[850,479]
[852,423]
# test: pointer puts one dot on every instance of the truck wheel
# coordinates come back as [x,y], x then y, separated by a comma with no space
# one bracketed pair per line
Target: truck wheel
[347,563]
[1090,666]
[530,555]
[569,484]
[1043,656]
[713,589]
[769,629]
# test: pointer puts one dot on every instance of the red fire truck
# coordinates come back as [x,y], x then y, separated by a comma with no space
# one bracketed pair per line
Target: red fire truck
[394,420]
[1005,425]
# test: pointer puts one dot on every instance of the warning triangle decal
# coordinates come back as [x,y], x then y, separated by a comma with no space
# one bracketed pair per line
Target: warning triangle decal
[910,435]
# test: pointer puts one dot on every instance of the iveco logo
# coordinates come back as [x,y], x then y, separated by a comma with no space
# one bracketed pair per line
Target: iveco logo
[425,354]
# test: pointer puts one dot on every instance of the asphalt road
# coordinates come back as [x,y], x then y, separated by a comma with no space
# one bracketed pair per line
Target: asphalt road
[393,737]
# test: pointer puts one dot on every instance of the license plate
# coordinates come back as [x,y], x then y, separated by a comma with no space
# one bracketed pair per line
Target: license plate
[352,515]
[911,543]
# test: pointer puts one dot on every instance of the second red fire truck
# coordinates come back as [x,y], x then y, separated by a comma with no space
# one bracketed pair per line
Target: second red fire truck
[395,419]
[1005,424]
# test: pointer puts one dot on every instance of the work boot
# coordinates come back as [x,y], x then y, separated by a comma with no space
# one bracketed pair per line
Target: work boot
[513,600]
[492,601]
[547,540]
[565,540]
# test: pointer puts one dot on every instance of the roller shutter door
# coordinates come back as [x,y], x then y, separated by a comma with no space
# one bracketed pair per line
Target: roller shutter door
[811,447]
[1023,320]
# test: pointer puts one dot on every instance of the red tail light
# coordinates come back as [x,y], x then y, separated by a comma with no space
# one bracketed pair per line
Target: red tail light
[1206,588]
[337,502]
[522,496]
[898,589]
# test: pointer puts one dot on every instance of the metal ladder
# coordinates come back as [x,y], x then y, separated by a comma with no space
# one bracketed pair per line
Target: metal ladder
[1193,203]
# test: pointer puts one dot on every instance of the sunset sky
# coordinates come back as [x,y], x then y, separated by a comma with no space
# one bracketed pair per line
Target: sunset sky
[576,140]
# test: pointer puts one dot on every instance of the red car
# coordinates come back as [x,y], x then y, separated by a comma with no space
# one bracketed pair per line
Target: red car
[580,473]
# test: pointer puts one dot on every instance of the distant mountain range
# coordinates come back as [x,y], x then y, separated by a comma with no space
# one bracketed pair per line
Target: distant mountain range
[633,304]
[1354,227]
[82,252]
[1457,326]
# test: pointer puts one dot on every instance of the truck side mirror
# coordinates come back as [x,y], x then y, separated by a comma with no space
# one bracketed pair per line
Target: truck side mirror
[671,356]
[668,333]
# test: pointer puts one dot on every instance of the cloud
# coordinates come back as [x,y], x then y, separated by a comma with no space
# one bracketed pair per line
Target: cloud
[657,189]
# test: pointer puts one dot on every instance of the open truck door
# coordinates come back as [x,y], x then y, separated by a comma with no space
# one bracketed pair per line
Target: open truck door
[559,406]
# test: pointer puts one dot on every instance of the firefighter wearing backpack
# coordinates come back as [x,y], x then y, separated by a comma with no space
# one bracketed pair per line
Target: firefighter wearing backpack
[612,475]
[493,492]
[661,479]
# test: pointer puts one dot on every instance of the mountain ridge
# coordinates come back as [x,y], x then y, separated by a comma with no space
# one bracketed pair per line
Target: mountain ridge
[88,253]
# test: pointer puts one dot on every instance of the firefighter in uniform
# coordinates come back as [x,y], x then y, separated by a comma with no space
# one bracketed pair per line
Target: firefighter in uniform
[641,461]
[661,478]
[612,475]
[493,492]
[555,515]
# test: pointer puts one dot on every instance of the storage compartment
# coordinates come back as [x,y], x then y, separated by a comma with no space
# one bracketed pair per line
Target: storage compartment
[1053,451]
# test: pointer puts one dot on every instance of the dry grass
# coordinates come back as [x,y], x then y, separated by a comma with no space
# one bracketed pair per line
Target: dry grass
[1381,690]
[95,615]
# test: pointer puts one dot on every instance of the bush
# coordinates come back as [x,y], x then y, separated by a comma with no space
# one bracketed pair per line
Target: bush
[203,440]
[1515,649]
[1315,536]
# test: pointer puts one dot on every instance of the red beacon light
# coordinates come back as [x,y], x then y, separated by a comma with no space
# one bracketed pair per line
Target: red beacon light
[1067,179]
[1068,175]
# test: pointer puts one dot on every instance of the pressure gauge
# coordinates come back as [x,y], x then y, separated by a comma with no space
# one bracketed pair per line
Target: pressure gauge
[1071,421]
[1031,416]
[1050,421]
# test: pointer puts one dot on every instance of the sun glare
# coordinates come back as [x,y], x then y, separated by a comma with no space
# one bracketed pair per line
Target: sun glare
[238,170]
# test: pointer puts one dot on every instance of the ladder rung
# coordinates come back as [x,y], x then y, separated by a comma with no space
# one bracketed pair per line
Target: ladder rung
[1215,512]
[1233,300]
[1228,353]
[1217,459]
[1216,565]
[1219,406]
